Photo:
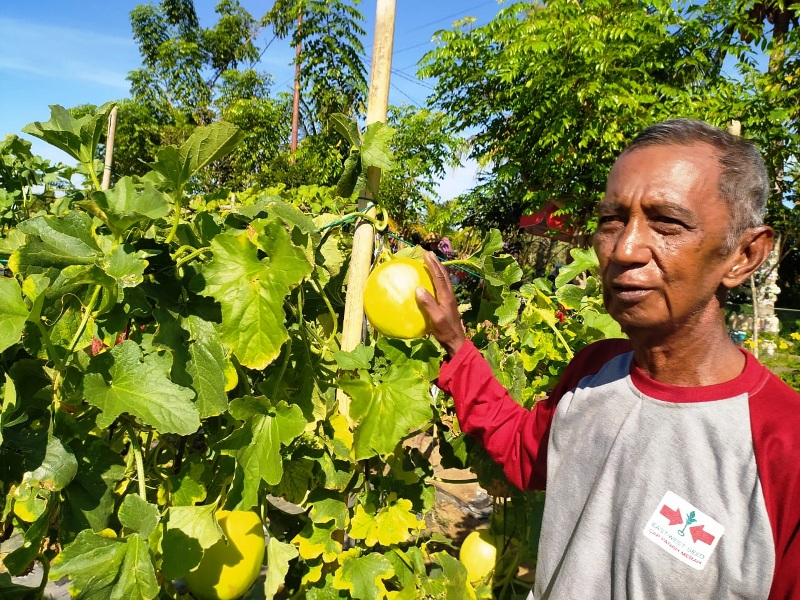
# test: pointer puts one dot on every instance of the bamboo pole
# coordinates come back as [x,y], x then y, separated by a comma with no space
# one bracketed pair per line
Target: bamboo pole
[112,128]
[361,257]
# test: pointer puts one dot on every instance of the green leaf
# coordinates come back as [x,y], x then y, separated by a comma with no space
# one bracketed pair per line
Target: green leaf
[279,555]
[173,166]
[582,260]
[209,143]
[138,515]
[56,242]
[90,500]
[387,412]
[363,576]
[189,530]
[125,265]
[13,314]
[602,322]
[12,591]
[507,313]
[570,296]
[18,561]
[160,403]
[186,488]
[347,128]
[252,290]
[57,469]
[101,568]
[359,358]
[123,206]
[375,146]
[257,444]
[76,137]
[206,366]
[316,540]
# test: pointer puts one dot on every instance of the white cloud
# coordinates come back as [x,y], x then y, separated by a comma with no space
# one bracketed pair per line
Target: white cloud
[66,53]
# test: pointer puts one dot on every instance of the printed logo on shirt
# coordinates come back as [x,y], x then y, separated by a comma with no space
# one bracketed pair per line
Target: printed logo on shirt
[683,531]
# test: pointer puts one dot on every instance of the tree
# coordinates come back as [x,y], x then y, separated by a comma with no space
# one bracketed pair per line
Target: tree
[555,91]
[332,73]
[423,150]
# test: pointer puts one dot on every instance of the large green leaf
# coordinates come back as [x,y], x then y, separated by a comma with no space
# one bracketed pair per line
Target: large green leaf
[375,146]
[100,568]
[76,137]
[137,384]
[189,530]
[252,290]
[13,314]
[390,525]
[206,366]
[206,144]
[583,259]
[209,143]
[56,242]
[257,443]
[136,514]
[89,498]
[388,411]
[123,206]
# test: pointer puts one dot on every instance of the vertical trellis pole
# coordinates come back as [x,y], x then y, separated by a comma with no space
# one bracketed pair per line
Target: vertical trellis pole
[112,128]
[361,258]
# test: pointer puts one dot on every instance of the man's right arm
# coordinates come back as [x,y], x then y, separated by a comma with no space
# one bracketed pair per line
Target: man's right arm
[515,438]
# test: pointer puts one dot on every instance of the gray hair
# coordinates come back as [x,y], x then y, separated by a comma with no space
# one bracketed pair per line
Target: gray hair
[743,182]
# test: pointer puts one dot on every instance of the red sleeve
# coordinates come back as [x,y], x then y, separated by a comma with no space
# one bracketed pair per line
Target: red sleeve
[775,420]
[515,438]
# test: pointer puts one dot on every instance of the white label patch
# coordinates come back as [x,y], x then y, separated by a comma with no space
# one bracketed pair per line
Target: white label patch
[683,531]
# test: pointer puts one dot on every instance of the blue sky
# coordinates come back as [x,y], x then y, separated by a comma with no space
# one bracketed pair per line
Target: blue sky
[80,52]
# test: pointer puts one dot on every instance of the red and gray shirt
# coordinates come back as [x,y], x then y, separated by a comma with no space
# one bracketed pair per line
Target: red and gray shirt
[653,491]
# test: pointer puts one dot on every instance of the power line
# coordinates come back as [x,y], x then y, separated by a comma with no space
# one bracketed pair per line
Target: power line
[458,14]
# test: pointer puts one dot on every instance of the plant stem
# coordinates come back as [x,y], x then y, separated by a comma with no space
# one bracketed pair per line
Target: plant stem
[87,315]
[93,175]
[192,255]
[176,219]
[45,562]
[137,455]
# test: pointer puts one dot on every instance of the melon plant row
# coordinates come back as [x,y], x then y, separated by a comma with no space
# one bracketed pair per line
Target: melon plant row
[169,358]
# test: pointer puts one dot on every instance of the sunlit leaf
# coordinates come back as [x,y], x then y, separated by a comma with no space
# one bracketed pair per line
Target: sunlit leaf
[160,403]
[100,568]
[252,290]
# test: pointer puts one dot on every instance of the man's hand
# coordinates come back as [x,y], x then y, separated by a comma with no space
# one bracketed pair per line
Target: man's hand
[442,311]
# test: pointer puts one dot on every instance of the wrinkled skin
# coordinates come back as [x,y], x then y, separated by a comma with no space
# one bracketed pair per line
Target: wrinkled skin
[665,266]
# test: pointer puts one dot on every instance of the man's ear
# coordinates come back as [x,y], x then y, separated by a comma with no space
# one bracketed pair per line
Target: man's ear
[752,250]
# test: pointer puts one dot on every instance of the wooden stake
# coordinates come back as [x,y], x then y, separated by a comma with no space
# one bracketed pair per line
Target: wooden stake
[361,257]
[112,128]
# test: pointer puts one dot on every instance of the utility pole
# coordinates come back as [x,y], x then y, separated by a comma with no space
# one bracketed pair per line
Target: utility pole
[296,99]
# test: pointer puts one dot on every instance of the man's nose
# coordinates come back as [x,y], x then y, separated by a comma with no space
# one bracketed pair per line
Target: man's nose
[632,246]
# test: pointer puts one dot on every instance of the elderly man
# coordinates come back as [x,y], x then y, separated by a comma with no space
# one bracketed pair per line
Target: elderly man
[671,459]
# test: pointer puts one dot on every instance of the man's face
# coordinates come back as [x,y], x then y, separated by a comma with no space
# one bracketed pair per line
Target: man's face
[660,238]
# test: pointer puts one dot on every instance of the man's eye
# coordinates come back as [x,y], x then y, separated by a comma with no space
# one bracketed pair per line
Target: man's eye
[606,219]
[669,222]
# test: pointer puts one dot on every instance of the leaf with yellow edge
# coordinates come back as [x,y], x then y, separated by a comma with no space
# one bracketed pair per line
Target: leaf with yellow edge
[392,524]
[363,576]
[316,539]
